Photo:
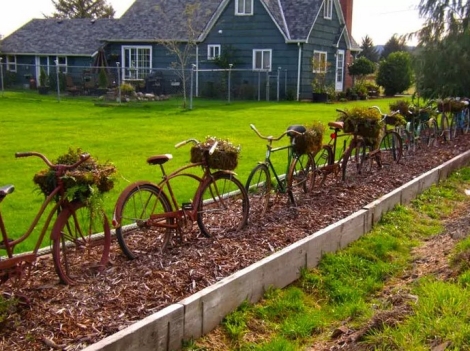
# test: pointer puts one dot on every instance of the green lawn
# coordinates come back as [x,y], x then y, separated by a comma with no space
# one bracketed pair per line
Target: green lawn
[129,133]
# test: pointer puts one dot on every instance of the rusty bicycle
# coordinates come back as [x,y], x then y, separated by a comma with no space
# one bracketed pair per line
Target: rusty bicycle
[80,239]
[147,215]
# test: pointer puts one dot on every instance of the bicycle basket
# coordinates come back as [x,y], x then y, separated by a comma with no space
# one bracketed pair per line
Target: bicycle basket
[310,141]
[225,155]
[78,181]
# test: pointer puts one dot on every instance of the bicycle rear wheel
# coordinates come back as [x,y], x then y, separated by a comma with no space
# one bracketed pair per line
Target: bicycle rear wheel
[223,206]
[391,148]
[133,207]
[300,177]
[353,160]
[444,130]
[407,141]
[258,187]
[324,165]
[81,242]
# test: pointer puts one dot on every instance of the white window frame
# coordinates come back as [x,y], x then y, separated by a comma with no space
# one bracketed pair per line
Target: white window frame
[328,9]
[244,7]
[213,51]
[62,63]
[11,63]
[134,67]
[320,57]
[266,54]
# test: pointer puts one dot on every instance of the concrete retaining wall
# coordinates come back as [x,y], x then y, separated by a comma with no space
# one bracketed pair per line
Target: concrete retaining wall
[202,312]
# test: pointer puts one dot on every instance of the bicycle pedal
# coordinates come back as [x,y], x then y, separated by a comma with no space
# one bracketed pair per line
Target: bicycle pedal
[187,206]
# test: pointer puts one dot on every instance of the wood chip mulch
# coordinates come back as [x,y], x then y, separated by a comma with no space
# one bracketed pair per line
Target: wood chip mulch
[61,317]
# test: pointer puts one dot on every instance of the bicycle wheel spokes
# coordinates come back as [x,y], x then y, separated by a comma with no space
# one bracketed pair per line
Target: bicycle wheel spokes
[224,205]
[300,178]
[258,187]
[80,243]
[390,149]
[135,206]
[324,166]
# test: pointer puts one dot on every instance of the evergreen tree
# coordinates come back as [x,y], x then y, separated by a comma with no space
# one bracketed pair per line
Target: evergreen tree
[395,73]
[82,9]
[369,51]
[394,44]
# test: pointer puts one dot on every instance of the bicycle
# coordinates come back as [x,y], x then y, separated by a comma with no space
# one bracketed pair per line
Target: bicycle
[147,214]
[460,120]
[299,167]
[357,155]
[423,127]
[78,246]
[392,140]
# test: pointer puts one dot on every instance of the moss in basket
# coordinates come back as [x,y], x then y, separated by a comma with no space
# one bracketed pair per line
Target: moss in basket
[85,183]
[225,155]
[310,141]
[362,120]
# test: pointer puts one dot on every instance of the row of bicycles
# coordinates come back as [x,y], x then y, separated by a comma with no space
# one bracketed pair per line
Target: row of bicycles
[148,216]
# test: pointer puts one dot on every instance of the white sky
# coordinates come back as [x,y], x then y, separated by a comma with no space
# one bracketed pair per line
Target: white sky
[378,19]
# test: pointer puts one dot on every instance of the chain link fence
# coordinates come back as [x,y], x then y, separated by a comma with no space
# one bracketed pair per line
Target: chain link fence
[112,83]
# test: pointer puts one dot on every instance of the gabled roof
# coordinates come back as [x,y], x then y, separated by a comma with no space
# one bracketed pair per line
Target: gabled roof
[60,37]
[151,21]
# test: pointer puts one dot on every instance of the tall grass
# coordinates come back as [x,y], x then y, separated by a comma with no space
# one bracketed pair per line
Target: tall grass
[129,133]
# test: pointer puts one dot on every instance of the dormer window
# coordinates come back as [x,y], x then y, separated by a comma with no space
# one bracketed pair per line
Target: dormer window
[328,9]
[243,7]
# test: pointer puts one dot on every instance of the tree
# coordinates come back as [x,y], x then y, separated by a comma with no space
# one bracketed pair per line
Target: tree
[394,44]
[442,66]
[82,9]
[184,49]
[369,51]
[395,73]
[361,68]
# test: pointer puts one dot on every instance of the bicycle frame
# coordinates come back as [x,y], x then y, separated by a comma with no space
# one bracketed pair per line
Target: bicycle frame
[281,180]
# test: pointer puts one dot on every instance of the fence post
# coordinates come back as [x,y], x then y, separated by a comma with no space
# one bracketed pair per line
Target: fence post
[259,85]
[57,79]
[191,87]
[267,85]
[229,76]
[119,81]
[277,82]
[1,74]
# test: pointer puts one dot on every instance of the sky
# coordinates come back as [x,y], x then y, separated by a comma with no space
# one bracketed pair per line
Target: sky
[378,19]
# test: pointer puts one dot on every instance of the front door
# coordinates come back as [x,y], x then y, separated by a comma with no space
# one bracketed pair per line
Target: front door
[339,83]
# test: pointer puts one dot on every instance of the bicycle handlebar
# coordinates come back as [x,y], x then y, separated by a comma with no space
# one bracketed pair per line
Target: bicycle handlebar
[195,141]
[271,138]
[83,158]
[384,114]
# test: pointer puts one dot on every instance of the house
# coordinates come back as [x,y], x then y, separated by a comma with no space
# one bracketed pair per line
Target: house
[268,45]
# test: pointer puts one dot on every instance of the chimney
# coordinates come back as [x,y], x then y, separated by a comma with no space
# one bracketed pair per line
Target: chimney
[347,7]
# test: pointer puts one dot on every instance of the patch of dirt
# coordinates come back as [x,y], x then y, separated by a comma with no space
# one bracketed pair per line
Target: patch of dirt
[431,258]
[73,317]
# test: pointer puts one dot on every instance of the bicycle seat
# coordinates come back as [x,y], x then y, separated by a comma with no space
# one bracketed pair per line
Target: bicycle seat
[336,125]
[6,189]
[159,159]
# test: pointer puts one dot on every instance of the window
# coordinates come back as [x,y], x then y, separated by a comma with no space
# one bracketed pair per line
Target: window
[262,59]
[62,63]
[319,62]
[213,51]
[11,63]
[328,9]
[137,62]
[244,7]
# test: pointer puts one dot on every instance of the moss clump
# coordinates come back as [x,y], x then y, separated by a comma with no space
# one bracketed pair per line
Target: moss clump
[79,183]
[311,140]
[225,155]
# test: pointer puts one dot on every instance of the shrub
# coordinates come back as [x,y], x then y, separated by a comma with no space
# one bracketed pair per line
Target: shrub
[395,73]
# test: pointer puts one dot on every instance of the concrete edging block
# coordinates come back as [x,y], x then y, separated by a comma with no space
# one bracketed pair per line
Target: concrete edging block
[377,208]
[160,331]
[457,162]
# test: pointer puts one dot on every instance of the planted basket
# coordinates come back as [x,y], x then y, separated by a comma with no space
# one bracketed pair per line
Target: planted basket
[362,121]
[450,105]
[395,120]
[225,155]
[310,141]
[79,183]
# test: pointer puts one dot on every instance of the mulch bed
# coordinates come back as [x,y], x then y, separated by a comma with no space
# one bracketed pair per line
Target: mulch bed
[73,317]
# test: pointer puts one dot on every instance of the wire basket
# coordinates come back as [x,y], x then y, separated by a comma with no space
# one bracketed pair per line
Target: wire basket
[225,155]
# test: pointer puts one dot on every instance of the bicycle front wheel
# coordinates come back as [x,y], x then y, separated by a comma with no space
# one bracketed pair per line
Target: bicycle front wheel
[258,187]
[223,206]
[134,207]
[81,242]
[353,159]
[300,178]
[407,141]
[324,165]
[391,148]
